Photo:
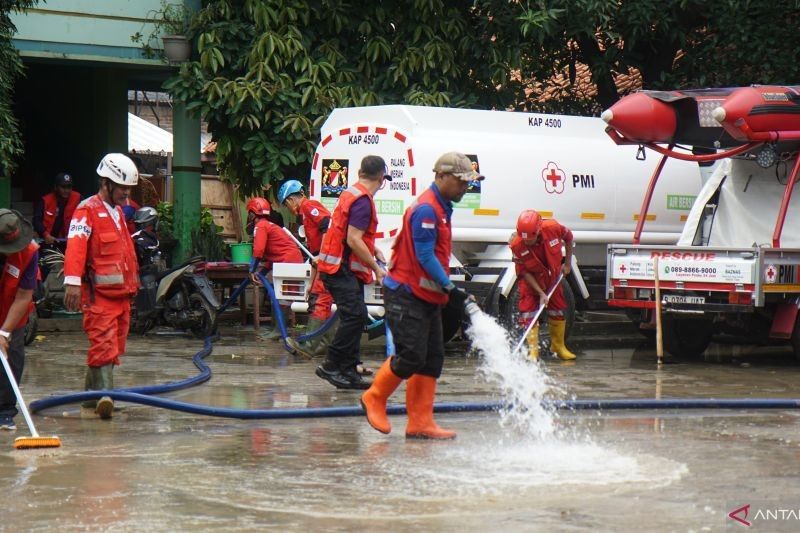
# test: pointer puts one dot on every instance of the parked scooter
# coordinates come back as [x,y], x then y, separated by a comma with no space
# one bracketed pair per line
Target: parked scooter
[181,297]
[49,293]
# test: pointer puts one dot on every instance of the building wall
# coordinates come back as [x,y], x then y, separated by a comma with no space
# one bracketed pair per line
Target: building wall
[70,116]
[86,30]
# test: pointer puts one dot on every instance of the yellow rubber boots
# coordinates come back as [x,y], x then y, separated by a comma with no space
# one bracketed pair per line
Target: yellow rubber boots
[373,401]
[533,343]
[558,330]
[420,391]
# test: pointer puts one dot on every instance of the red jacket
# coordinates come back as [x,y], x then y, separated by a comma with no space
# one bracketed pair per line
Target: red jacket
[16,264]
[335,241]
[313,213]
[50,208]
[406,269]
[543,259]
[99,252]
[272,245]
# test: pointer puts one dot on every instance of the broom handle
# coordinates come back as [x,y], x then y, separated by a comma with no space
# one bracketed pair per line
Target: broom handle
[538,312]
[18,394]
[289,233]
[659,326]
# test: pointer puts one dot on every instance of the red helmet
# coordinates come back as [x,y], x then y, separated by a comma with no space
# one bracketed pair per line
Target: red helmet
[529,223]
[258,206]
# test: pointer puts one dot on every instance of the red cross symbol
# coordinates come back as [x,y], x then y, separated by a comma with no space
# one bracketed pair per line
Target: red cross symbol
[622,269]
[553,178]
[770,273]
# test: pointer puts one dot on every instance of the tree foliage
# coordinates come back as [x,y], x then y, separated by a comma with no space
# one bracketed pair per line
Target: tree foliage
[672,43]
[269,71]
[11,147]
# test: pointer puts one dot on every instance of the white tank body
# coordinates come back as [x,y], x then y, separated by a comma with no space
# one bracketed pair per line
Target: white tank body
[565,167]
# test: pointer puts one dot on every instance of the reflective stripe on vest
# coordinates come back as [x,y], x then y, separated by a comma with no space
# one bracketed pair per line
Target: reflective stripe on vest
[358,267]
[332,259]
[108,279]
[427,283]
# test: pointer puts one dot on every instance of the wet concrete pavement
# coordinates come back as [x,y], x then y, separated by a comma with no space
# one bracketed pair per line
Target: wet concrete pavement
[152,469]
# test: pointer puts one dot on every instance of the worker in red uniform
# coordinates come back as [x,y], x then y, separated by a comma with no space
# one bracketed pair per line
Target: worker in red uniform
[346,263]
[536,252]
[52,215]
[316,220]
[416,288]
[18,264]
[270,245]
[101,273]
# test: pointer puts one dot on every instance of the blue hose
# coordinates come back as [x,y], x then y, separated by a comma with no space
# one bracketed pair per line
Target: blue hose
[144,395]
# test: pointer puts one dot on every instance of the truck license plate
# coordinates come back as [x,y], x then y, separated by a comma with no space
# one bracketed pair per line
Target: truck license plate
[676,299]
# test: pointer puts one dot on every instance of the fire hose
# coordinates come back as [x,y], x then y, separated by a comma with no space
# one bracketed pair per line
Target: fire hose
[146,395]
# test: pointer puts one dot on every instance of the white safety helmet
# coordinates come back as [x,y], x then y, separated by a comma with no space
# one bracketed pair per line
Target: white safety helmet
[119,168]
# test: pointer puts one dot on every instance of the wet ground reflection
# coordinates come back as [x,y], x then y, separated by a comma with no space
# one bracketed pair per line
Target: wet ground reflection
[158,470]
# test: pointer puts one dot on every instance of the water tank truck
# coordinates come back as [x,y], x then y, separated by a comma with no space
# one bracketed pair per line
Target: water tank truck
[562,166]
[733,270]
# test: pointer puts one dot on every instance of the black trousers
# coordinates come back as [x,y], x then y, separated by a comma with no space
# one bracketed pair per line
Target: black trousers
[416,327]
[348,294]
[16,359]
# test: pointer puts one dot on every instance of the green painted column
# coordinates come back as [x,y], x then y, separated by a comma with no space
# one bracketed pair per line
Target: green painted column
[186,179]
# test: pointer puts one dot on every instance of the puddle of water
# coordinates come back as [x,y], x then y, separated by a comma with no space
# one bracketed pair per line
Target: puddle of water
[541,449]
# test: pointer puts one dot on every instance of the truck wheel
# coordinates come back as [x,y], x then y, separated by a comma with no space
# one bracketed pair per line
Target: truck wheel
[638,317]
[686,338]
[796,338]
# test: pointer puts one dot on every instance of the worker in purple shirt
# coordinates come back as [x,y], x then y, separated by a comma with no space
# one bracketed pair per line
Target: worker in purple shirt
[346,262]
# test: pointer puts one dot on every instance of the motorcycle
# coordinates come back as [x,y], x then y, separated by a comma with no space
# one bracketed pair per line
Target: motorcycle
[49,293]
[181,297]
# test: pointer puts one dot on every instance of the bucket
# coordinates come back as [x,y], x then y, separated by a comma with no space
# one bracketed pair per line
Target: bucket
[241,252]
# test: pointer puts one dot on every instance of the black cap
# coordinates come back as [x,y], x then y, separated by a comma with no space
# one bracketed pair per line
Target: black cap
[63,179]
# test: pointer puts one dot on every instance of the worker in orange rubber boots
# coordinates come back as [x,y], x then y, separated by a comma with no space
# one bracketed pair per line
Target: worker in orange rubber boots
[316,221]
[101,274]
[536,252]
[270,245]
[415,290]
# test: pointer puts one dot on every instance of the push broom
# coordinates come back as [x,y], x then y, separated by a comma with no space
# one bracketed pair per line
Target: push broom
[34,441]
[538,312]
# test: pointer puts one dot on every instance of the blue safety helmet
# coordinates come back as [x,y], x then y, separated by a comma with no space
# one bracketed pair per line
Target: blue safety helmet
[287,189]
[128,211]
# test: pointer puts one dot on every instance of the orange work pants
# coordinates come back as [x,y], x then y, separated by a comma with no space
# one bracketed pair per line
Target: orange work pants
[106,321]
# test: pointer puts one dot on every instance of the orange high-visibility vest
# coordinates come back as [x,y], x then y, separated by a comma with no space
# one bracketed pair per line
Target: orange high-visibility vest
[16,264]
[406,268]
[334,243]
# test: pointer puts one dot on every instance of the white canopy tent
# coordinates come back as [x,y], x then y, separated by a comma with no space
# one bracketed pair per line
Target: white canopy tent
[144,137]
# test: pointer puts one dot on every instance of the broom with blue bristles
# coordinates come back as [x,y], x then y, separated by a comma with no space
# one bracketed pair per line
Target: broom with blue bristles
[34,441]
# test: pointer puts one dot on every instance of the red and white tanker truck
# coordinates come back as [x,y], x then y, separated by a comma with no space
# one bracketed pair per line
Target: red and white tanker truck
[562,166]
[734,270]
